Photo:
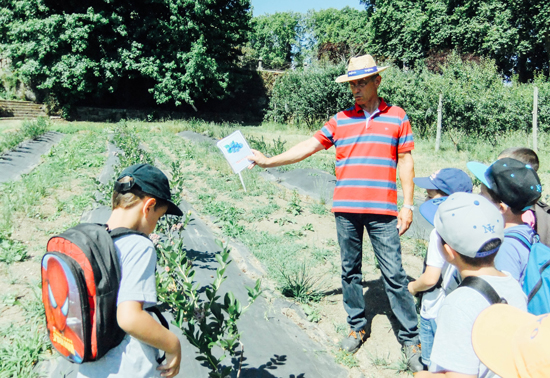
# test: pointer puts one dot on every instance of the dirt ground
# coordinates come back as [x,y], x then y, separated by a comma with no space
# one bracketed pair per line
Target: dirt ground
[379,357]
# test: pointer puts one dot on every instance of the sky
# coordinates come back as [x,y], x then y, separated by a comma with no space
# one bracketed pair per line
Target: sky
[272,6]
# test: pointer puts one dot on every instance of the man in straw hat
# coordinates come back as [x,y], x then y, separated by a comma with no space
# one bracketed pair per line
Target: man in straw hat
[372,139]
[513,343]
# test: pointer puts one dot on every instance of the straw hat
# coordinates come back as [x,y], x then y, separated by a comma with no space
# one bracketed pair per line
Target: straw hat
[360,67]
[513,343]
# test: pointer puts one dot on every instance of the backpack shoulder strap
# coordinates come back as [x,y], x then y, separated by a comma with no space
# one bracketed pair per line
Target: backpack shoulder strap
[519,237]
[121,231]
[484,288]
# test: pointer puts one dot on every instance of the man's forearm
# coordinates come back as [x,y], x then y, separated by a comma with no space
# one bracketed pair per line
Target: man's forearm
[406,175]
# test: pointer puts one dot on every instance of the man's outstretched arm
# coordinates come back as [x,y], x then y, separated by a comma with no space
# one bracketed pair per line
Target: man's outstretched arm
[295,154]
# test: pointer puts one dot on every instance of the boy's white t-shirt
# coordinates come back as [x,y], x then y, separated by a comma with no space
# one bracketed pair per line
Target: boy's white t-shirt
[131,358]
[452,348]
[432,301]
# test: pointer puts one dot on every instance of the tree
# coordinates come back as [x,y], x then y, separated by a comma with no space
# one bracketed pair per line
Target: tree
[337,34]
[515,34]
[275,38]
[180,51]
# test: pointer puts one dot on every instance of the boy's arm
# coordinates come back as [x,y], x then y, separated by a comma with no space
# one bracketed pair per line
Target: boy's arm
[426,281]
[140,324]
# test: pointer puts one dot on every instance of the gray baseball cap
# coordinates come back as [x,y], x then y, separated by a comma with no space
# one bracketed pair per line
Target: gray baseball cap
[466,222]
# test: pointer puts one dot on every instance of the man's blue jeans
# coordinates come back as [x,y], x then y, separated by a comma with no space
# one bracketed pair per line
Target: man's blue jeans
[384,236]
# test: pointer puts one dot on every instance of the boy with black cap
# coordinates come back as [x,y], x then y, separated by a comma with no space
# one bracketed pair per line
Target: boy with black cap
[513,187]
[471,230]
[438,277]
[141,196]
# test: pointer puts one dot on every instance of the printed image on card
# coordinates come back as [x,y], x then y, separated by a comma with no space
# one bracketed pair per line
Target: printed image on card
[235,149]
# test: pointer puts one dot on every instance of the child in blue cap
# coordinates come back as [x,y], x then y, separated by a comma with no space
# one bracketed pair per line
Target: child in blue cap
[439,277]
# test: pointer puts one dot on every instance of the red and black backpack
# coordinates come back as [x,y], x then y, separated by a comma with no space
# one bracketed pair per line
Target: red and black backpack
[80,282]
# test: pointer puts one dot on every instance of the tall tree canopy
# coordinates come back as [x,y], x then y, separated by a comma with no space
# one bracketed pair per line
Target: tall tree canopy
[182,51]
[275,38]
[516,34]
[337,34]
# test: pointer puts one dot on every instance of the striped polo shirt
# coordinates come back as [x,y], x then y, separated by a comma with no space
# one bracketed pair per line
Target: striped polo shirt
[366,157]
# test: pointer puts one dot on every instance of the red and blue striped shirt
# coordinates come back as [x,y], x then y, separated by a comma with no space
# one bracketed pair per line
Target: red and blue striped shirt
[366,157]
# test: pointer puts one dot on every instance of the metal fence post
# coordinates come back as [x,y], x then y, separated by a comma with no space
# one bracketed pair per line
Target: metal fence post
[439,119]
[535,110]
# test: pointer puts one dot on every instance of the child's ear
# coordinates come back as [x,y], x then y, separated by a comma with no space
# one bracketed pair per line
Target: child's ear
[503,208]
[449,253]
[149,205]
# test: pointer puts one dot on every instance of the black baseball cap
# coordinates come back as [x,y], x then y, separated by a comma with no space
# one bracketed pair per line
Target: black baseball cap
[515,183]
[150,180]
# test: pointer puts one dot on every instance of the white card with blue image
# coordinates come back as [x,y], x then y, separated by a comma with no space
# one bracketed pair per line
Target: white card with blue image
[235,149]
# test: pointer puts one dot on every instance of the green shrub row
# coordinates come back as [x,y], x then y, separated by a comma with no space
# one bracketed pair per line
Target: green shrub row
[476,99]
[31,129]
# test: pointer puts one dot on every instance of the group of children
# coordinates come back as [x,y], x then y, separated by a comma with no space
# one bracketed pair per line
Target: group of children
[476,237]
[469,231]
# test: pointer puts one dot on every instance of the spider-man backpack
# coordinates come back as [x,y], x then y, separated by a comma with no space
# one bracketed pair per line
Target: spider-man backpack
[80,281]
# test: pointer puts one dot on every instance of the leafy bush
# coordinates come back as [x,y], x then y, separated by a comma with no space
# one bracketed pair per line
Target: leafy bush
[209,324]
[34,128]
[477,101]
[30,130]
[308,95]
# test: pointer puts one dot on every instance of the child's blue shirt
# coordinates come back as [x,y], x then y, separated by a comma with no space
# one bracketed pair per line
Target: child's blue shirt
[512,256]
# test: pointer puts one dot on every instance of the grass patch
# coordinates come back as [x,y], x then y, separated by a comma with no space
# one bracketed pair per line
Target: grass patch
[300,284]
[30,129]
[12,251]
[345,358]
[22,346]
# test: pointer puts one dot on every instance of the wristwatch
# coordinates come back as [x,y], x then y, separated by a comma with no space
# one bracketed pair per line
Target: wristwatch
[410,207]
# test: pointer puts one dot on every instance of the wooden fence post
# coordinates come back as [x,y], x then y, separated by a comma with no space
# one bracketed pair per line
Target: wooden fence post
[535,111]
[439,118]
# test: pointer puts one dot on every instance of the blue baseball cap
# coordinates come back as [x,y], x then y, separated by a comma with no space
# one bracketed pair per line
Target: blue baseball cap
[429,208]
[448,180]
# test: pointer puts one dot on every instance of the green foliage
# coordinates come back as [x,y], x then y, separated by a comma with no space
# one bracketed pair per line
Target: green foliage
[12,251]
[337,34]
[514,34]
[34,128]
[294,206]
[346,359]
[208,324]
[476,100]
[309,95]
[319,209]
[276,39]
[299,283]
[181,50]
[177,181]
[275,148]
[125,137]
[24,344]
[31,129]
[313,314]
